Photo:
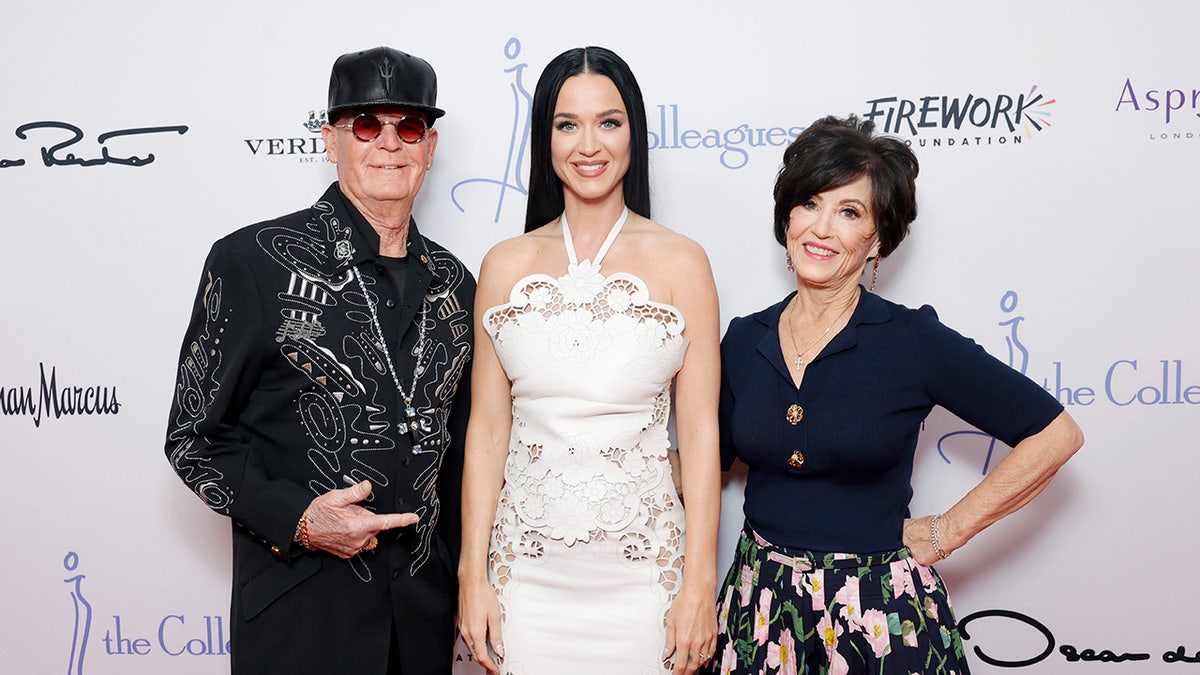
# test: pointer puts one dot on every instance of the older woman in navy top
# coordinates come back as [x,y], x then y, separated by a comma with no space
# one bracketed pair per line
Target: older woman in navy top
[823,395]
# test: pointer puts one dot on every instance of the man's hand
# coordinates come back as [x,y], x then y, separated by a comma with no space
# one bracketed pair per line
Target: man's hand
[337,524]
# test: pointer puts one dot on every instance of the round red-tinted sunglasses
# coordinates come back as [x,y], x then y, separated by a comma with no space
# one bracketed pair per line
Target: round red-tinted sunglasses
[367,127]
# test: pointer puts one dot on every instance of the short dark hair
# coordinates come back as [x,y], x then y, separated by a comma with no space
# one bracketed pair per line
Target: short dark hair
[834,152]
[545,201]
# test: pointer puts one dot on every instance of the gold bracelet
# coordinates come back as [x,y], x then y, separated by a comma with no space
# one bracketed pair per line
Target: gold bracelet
[935,537]
[302,533]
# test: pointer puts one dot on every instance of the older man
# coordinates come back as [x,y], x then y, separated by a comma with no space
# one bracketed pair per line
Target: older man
[322,398]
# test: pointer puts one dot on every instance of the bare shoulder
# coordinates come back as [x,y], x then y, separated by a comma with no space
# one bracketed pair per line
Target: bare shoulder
[516,253]
[504,264]
[515,258]
[670,248]
[675,266]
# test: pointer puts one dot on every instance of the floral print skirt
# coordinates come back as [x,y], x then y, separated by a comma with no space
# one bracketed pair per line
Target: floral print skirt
[785,610]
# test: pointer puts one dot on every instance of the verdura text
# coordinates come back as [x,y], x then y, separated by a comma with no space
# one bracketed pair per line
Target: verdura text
[313,145]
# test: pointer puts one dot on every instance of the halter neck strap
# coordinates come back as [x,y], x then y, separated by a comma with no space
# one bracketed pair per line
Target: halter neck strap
[612,235]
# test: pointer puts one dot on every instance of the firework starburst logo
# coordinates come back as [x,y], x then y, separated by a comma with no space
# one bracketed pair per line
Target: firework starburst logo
[1037,111]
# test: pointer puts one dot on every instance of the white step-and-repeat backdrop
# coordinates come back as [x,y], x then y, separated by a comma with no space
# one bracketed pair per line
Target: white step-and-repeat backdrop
[1058,226]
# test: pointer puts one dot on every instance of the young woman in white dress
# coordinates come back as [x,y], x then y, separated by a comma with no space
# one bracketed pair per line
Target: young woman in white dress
[574,541]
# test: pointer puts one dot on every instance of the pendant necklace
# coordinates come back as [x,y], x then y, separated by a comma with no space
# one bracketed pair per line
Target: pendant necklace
[412,424]
[800,363]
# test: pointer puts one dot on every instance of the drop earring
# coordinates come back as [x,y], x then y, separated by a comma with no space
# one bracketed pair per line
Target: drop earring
[790,266]
[874,274]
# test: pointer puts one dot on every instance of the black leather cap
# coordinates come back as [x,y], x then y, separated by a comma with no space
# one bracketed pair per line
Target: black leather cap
[382,77]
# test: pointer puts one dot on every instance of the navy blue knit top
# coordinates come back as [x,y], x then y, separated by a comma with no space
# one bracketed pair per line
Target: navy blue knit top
[864,398]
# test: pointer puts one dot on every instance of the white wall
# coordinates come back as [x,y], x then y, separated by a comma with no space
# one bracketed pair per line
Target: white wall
[1085,230]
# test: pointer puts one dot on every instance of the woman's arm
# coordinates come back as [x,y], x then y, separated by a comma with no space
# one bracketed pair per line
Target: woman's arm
[1013,483]
[485,452]
[691,623]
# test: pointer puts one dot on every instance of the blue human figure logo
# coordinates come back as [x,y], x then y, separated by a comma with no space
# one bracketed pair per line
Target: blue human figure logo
[518,138]
[1018,359]
[83,615]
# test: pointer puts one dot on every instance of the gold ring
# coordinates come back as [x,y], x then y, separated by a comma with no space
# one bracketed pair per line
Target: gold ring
[705,657]
[371,544]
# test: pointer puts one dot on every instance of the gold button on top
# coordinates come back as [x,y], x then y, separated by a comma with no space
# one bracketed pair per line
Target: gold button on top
[796,460]
[794,414]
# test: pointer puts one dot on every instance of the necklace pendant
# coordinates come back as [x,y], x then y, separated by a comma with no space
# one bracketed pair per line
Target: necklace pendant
[411,423]
[799,362]
[796,460]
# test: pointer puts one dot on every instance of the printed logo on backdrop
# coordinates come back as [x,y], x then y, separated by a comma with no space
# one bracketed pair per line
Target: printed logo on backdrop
[125,636]
[968,120]
[83,615]
[669,130]
[1037,643]
[1123,383]
[64,144]
[55,399]
[306,148]
[1171,113]
[512,176]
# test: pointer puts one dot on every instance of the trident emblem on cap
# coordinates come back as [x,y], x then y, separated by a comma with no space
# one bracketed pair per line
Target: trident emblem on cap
[386,71]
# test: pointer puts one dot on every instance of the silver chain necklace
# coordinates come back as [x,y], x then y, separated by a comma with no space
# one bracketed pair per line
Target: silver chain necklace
[800,362]
[412,423]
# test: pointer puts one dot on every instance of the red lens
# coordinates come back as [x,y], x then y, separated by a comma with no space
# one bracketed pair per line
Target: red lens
[366,127]
[410,129]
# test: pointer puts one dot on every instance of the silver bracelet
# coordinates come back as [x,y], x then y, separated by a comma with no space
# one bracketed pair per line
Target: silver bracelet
[935,537]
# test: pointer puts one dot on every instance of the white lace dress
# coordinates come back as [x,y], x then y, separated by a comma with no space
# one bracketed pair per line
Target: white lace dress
[587,549]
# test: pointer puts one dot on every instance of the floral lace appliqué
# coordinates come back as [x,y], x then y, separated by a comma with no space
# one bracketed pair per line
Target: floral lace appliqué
[589,469]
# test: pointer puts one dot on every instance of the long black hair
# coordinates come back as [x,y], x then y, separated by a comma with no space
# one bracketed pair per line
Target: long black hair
[545,201]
